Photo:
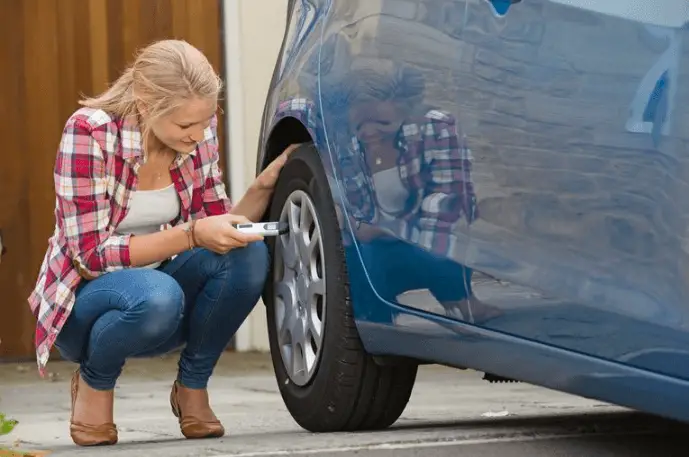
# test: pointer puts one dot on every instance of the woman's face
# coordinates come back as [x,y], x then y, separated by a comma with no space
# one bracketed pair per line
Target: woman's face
[376,123]
[183,128]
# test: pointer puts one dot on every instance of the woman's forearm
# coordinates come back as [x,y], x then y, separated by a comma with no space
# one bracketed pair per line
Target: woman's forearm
[156,247]
[253,204]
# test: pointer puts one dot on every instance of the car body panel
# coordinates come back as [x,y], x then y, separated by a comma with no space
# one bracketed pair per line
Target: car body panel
[294,86]
[569,225]
[581,230]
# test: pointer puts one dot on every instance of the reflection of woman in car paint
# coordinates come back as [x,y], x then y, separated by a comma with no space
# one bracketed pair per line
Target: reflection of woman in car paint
[407,183]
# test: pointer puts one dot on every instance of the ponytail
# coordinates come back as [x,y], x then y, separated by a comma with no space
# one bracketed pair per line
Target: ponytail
[118,99]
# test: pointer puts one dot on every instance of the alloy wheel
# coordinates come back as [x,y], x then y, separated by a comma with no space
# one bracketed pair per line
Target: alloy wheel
[300,288]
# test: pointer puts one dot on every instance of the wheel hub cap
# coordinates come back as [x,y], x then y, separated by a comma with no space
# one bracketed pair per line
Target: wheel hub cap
[300,289]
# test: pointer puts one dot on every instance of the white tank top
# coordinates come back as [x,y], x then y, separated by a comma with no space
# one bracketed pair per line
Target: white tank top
[391,193]
[148,211]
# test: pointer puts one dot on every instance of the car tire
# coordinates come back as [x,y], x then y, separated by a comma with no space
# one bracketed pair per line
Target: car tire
[348,391]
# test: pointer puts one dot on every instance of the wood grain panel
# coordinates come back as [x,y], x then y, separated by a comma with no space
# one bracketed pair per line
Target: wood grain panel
[51,52]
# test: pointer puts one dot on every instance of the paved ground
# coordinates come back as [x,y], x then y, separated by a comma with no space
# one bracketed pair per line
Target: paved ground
[452,413]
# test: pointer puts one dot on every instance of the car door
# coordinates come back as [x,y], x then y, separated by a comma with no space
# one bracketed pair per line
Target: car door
[567,124]
[390,113]
[580,174]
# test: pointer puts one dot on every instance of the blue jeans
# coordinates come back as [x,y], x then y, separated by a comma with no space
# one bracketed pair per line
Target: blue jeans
[197,301]
[396,267]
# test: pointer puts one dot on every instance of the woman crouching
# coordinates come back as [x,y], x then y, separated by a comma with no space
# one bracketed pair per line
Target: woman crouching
[144,259]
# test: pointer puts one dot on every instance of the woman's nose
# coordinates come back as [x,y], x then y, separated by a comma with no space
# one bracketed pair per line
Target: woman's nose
[197,135]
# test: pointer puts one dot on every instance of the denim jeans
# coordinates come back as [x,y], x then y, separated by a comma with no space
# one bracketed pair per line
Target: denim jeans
[196,301]
[398,267]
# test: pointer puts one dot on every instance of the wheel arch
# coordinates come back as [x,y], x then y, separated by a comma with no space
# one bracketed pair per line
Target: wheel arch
[295,121]
[288,130]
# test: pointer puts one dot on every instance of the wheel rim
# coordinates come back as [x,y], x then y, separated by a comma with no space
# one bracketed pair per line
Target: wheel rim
[300,289]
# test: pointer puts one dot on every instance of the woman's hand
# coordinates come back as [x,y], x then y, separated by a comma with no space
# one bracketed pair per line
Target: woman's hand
[217,234]
[269,177]
[255,201]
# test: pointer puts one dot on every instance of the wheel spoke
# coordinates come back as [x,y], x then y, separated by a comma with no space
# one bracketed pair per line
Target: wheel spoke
[305,218]
[298,332]
[315,326]
[308,248]
[298,371]
[286,352]
[284,317]
[302,247]
[313,248]
[310,357]
[298,350]
[288,249]
[293,216]
[316,287]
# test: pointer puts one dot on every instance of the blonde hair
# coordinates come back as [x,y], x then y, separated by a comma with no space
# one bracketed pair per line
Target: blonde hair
[163,76]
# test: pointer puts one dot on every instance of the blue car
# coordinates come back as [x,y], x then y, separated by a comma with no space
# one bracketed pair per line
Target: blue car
[494,185]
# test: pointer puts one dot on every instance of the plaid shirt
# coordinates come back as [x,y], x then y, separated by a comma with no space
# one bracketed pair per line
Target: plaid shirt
[95,173]
[434,166]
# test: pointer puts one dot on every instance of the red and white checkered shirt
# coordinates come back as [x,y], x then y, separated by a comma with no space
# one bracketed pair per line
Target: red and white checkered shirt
[435,165]
[95,173]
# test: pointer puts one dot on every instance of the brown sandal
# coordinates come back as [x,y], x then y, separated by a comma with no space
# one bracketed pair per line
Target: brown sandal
[85,434]
[191,427]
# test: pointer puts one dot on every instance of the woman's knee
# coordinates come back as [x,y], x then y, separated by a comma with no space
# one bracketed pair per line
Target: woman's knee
[160,308]
[249,265]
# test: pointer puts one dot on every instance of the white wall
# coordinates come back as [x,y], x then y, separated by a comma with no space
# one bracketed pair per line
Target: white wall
[253,35]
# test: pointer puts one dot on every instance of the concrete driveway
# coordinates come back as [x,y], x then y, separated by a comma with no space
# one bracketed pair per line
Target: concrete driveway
[452,413]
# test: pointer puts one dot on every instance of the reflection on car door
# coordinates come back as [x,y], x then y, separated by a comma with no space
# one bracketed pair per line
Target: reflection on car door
[508,164]
[580,175]
[405,163]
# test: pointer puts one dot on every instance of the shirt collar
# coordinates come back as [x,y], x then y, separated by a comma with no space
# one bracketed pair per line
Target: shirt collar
[130,134]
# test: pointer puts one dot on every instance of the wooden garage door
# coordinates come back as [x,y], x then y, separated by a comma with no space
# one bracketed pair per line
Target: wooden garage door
[51,51]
